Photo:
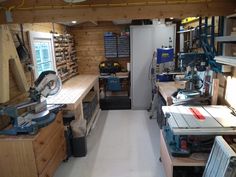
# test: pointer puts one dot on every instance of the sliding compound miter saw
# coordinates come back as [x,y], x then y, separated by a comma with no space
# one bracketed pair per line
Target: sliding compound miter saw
[37,113]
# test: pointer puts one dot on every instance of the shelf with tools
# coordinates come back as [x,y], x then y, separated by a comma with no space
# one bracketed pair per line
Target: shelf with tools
[65,56]
[228,41]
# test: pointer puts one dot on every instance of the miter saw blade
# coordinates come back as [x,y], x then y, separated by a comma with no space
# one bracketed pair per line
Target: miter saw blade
[48,83]
[56,87]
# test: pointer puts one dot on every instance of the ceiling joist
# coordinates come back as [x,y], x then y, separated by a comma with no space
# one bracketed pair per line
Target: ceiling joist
[113,10]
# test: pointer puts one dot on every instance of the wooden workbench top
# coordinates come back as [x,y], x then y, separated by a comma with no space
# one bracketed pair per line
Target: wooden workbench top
[74,90]
[166,89]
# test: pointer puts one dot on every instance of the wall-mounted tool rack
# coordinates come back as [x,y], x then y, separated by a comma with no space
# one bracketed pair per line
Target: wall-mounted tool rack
[65,56]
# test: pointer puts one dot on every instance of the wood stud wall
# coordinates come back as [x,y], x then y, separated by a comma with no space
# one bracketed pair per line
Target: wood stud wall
[89,41]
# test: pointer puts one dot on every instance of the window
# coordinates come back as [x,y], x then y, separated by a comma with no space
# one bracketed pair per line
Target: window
[42,52]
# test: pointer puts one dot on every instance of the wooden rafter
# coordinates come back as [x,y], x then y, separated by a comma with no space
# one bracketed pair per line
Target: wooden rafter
[91,10]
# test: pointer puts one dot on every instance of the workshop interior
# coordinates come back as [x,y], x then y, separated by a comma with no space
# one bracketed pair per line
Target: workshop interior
[115,88]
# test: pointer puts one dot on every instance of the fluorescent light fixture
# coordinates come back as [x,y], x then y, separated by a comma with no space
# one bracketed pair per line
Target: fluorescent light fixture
[74,22]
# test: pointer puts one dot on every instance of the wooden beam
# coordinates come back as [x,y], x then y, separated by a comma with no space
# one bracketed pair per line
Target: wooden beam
[108,13]
[215,91]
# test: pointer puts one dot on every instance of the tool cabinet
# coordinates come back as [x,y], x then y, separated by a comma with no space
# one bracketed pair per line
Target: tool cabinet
[33,155]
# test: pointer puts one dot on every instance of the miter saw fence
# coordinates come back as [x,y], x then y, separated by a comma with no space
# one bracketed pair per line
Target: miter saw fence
[38,114]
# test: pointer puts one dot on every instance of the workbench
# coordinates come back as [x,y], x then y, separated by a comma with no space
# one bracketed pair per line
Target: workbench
[166,89]
[72,94]
[33,155]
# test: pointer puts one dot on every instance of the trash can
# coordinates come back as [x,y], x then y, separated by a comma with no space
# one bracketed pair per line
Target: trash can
[67,118]
[79,144]
[79,147]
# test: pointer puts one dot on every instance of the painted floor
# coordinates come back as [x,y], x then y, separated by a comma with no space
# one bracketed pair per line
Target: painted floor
[122,144]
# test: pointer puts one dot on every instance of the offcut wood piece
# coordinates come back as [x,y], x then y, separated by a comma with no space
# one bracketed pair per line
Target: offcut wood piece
[9,57]
[215,91]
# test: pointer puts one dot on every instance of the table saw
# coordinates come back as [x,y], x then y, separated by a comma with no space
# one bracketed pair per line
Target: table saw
[193,128]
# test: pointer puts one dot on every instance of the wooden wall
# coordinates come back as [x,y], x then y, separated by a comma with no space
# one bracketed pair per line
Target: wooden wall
[90,45]
[15,94]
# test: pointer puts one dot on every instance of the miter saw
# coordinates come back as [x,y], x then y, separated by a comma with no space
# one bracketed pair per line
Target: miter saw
[38,114]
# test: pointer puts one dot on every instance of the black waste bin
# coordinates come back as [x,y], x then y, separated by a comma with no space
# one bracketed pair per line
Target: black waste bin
[79,146]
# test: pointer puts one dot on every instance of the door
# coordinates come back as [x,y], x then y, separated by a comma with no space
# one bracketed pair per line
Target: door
[141,38]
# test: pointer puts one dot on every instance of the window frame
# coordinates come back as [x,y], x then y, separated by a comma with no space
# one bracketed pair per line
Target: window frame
[41,36]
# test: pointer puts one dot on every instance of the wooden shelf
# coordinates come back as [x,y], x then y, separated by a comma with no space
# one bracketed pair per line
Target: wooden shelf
[226,39]
[228,60]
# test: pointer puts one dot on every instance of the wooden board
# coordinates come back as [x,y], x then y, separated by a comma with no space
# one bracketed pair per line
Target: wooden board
[43,159]
[167,89]
[165,157]
[51,11]
[12,154]
[74,90]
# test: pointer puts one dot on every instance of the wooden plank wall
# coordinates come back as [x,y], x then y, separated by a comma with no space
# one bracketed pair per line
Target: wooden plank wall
[15,94]
[90,45]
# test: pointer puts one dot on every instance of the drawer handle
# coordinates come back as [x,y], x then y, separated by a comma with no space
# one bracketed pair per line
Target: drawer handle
[44,160]
[41,143]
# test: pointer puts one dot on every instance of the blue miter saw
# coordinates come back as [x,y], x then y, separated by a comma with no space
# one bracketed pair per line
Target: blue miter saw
[36,112]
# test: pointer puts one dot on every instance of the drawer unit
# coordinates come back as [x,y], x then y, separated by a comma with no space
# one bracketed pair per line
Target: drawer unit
[33,156]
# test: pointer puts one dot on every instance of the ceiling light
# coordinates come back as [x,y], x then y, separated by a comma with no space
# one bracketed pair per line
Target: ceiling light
[74,22]
[171,18]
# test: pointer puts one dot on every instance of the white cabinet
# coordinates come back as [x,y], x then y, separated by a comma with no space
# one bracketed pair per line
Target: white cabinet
[144,40]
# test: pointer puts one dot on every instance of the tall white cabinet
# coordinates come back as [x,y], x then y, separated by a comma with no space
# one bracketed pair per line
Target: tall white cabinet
[144,40]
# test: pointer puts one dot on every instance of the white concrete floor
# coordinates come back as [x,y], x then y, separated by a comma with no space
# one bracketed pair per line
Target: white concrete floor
[123,144]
